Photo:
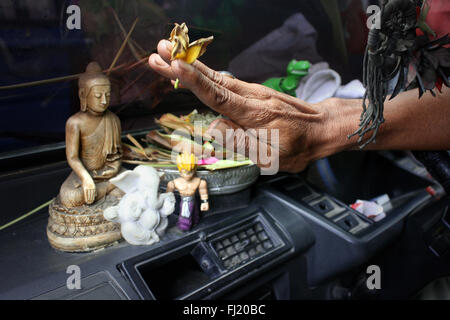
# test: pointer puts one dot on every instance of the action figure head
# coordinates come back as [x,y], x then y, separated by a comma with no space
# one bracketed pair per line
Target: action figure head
[94,89]
[187,165]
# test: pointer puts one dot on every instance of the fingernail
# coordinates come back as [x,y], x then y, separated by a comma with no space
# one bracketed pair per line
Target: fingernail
[183,66]
[160,62]
[167,45]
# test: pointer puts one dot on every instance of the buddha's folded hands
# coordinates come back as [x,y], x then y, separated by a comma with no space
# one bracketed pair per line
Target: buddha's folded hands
[104,173]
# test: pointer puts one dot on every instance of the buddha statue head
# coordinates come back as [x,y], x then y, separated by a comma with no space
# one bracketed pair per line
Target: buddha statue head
[94,89]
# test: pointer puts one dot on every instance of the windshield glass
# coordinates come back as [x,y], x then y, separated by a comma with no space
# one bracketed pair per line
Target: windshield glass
[46,44]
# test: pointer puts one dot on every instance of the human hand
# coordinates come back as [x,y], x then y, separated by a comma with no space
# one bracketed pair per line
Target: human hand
[251,106]
[89,190]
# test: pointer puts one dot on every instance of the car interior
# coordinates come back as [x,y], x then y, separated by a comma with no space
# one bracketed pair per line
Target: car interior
[287,236]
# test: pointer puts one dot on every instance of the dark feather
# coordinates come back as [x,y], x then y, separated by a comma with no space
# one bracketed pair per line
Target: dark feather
[400,84]
[395,49]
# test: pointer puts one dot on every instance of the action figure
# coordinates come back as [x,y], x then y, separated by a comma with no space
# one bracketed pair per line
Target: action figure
[187,185]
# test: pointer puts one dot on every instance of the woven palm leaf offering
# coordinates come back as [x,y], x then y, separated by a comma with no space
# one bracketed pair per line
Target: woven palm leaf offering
[225,171]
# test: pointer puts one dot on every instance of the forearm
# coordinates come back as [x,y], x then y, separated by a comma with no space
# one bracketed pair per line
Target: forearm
[410,124]
[79,169]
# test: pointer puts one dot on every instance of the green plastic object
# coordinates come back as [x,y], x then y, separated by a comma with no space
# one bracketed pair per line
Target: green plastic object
[296,70]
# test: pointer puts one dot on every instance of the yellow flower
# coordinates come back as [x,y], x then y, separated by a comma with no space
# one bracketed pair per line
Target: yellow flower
[182,49]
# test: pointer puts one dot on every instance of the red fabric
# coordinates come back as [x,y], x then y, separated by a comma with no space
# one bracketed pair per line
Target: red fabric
[439,83]
[438,17]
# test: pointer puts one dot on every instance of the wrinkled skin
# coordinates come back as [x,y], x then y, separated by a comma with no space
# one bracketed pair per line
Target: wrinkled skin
[251,106]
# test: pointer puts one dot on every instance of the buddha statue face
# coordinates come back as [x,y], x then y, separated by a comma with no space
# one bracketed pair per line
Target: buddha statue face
[94,89]
[97,99]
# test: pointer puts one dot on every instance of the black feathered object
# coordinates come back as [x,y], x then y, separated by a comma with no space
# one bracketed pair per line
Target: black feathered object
[396,49]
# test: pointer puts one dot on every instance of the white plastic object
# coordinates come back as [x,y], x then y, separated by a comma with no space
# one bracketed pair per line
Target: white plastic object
[141,212]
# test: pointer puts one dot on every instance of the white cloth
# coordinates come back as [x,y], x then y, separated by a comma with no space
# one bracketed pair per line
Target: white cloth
[352,90]
[186,201]
[322,83]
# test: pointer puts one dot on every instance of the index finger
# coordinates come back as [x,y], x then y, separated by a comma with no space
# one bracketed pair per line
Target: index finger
[164,52]
[215,95]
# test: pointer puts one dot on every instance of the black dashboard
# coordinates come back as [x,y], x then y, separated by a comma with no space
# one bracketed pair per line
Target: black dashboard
[283,238]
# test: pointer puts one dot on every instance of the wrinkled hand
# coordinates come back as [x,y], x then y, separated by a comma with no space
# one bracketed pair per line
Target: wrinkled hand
[250,106]
[89,190]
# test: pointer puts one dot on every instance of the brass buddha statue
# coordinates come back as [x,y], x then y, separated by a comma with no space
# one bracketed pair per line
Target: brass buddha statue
[94,152]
